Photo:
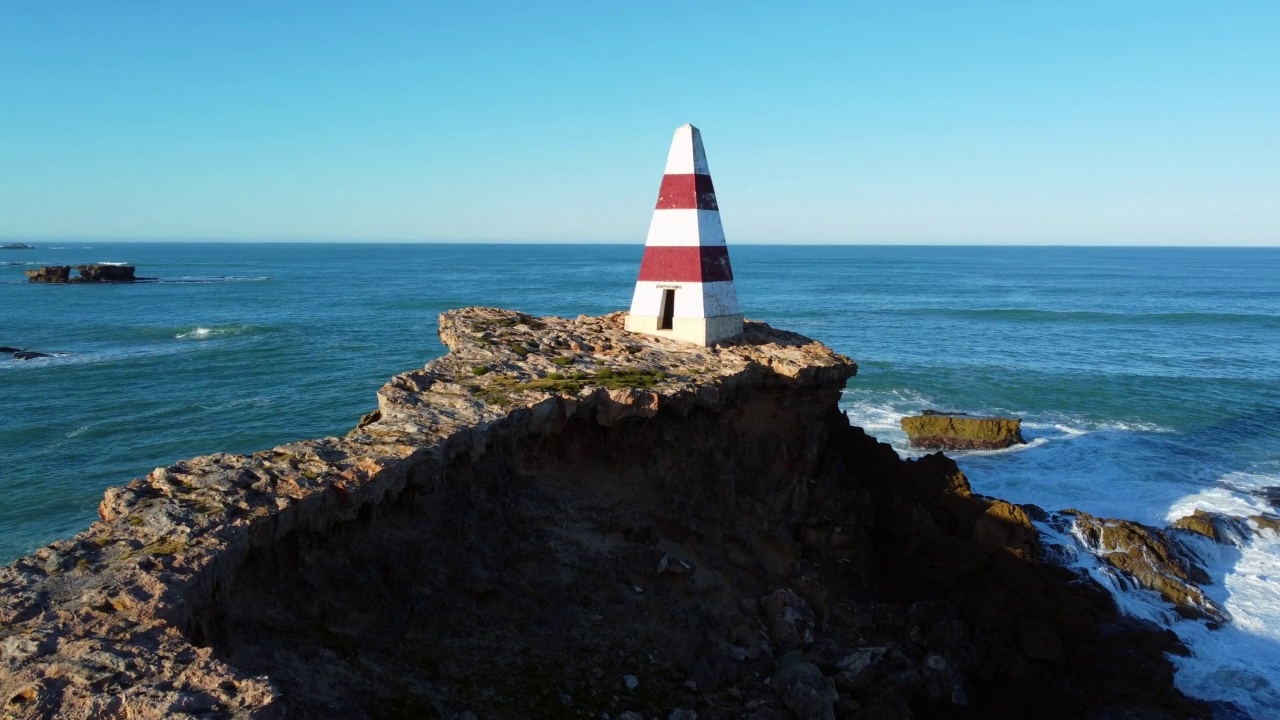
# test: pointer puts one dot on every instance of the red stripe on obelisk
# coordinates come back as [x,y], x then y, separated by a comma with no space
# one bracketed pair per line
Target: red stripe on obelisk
[687,192]
[675,263]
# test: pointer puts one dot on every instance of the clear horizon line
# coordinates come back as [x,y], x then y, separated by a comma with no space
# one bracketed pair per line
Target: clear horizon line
[373,241]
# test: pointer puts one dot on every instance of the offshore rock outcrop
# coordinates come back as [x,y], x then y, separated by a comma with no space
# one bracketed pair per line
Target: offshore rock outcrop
[958,431]
[560,519]
[85,273]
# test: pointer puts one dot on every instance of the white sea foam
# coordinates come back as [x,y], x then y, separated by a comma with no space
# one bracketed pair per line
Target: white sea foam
[1239,663]
[105,262]
[1121,469]
[204,333]
[88,357]
[198,279]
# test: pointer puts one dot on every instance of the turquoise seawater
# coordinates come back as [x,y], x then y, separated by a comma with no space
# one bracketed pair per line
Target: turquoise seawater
[1149,379]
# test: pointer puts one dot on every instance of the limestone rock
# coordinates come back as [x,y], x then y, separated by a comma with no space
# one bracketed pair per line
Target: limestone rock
[493,535]
[1152,559]
[105,273]
[957,431]
[85,273]
[1220,528]
[50,274]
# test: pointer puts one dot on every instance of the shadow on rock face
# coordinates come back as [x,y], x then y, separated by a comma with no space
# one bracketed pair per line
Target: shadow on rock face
[529,578]
[661,530]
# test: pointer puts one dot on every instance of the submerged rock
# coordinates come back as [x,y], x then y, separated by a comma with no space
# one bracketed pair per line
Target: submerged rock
[958,431]
[17,246]
[29,355]
[486,544]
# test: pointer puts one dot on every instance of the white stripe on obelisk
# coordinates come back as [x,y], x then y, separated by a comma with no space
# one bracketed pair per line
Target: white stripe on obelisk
[685,228]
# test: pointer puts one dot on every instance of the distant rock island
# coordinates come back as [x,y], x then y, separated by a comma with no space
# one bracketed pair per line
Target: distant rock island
[561,519]
[959,431]
[85,273]
[17,246]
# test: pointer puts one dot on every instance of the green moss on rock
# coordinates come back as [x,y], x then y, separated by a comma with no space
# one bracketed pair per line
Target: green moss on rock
[958,431]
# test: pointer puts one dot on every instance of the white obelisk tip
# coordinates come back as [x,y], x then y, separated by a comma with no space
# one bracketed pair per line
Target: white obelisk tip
[687,156]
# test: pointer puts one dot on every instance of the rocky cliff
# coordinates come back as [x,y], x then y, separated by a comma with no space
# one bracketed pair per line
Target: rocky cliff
[559,519]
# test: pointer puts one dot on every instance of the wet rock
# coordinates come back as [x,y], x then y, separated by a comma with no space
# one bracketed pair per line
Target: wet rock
[1266,522]
[1222,529]
[1270,494]
[29,355]
[1152,560]
[958,431]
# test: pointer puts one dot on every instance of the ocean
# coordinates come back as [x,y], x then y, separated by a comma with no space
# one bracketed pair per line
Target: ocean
[1148,379]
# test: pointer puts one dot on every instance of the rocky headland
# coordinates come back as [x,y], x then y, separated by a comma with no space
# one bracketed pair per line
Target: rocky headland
[559,519]
[84,273]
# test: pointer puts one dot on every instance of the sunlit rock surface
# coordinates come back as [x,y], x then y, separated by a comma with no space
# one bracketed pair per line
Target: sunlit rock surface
[561,519]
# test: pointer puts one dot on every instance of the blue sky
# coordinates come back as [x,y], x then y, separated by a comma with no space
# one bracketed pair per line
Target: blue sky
[919,122]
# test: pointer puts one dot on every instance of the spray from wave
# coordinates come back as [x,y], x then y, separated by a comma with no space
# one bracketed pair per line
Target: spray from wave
[210,333]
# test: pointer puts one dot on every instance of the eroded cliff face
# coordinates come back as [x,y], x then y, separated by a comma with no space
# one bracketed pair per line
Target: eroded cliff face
[559,519]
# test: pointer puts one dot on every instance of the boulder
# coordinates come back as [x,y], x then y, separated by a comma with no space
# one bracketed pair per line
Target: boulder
[29,355]
[803,689]
[789,619]
[7,349]
[958,431]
